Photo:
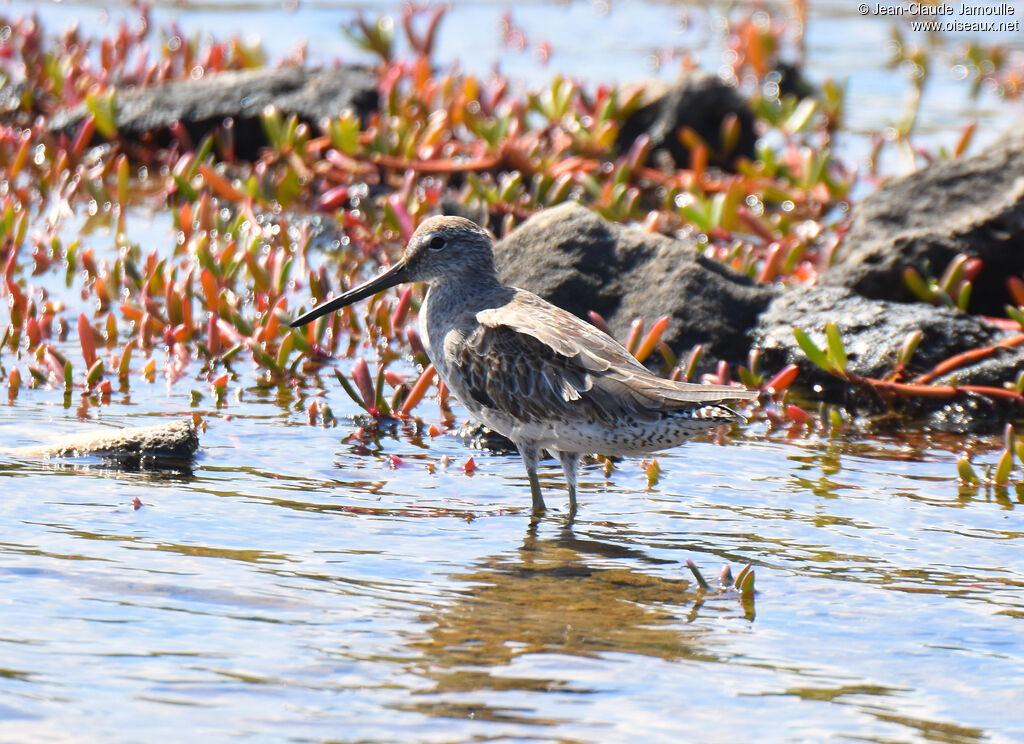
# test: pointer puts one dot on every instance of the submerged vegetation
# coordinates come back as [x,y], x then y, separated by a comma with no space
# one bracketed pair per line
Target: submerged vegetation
[324,202]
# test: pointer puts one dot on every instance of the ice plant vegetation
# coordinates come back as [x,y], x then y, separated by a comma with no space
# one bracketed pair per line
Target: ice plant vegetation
[325,202]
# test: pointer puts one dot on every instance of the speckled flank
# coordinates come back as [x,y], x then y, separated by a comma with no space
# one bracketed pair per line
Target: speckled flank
[627,438]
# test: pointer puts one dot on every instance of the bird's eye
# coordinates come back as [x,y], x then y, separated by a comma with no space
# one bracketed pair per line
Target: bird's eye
[436,243]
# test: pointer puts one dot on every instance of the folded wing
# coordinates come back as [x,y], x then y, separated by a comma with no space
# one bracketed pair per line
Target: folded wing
[534,361]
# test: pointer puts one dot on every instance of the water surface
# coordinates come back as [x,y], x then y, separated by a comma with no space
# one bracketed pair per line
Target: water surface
[294,586]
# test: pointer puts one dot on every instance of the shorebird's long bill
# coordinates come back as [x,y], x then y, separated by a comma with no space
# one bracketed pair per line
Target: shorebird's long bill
[395,275]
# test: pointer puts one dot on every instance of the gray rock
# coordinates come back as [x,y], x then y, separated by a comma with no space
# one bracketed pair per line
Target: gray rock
[478,436]
[174,442]
[699,101]
[973,414]
[202,105]
[873,332]
[969,205]
[977,413]
[11,95]
[577,260]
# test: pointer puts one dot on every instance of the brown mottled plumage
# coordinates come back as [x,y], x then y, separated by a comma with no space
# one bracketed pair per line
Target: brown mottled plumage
[531,371]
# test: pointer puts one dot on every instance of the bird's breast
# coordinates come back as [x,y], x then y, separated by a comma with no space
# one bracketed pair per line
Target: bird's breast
[424,324]
[441,338]
[435,324]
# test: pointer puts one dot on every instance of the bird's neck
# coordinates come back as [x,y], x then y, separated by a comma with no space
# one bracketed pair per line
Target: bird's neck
[449,298]
[466,284]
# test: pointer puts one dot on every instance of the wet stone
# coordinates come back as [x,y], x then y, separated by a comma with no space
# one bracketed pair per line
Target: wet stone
[968,415]
[480,437]
[873,332]
[972,205]
[698,101]
[202,105]
[156,446]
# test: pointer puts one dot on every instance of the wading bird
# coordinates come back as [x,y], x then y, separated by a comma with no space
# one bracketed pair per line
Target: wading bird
[531,371]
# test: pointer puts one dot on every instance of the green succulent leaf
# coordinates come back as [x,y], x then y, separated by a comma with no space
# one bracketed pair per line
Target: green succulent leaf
[1002,473]
[967,474]
[816,355]
[701,581]
[836,350]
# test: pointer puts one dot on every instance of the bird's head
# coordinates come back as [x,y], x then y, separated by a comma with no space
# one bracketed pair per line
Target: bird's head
[449,249]
[443,249]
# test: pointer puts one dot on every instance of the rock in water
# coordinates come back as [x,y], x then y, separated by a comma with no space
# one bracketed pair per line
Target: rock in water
[972,205]
[162,444]
[202,105]
[698,101]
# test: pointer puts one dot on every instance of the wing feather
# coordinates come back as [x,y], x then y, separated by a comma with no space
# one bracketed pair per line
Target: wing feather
[533,360]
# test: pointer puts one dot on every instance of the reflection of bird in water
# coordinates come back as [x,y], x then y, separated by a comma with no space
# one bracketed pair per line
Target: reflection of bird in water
[557,595]
[531,371]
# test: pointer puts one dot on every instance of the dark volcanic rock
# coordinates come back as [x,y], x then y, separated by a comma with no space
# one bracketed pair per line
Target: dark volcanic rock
[978,413]
[873,332]
[478,436]
[203,104]
[969,205]
[453,205]
[143,446]
[701,102]
[577,260]
[973,414]
[11,94]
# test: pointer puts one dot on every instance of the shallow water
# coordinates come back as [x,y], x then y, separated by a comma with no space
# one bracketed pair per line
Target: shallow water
[299,585]
[294,586]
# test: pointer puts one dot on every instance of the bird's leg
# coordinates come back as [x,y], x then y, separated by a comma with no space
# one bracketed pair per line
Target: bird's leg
[531,456]
[569,462]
